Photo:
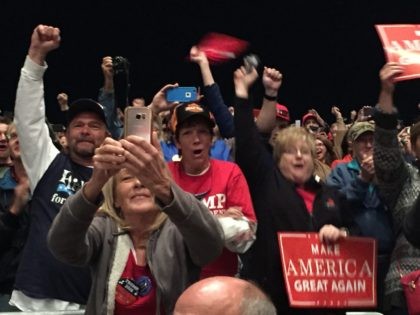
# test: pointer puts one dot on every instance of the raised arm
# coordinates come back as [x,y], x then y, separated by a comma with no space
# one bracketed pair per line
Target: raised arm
[37,148]
[251,154]
[159,103]
[63,104]
[271,80]
[106,98]
[339,134]
[212,94]
[391,170]
[318,117]
[387,75]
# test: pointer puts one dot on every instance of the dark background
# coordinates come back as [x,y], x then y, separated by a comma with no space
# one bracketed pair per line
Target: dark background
[328,51]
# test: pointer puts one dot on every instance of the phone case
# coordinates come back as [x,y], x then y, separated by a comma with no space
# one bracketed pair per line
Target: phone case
[182,94]
[138,121]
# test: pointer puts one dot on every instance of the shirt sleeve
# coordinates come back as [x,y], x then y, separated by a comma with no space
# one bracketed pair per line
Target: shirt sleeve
[217,106]
[37,148]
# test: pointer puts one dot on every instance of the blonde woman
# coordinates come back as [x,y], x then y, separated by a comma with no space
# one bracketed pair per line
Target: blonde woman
[149,239]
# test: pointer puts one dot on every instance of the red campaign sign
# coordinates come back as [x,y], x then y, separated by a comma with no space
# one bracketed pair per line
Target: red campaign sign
[339,275]
[402,44]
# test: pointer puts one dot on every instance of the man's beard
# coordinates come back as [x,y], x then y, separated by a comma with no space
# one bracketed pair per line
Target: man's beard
[85,153]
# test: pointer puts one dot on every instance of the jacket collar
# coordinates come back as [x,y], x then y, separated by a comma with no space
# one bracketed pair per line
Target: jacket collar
[353,165]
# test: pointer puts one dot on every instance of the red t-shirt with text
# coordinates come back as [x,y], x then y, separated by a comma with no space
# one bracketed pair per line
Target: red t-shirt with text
[222,186]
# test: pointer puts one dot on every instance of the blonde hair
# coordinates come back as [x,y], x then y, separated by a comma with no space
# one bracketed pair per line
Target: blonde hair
[290,135]
[11,127]
[108,207]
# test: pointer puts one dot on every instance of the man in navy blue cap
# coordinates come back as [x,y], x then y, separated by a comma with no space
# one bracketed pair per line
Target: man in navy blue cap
[42,282]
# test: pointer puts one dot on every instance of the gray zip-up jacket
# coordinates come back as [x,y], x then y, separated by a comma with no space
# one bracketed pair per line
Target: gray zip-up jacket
[191,237]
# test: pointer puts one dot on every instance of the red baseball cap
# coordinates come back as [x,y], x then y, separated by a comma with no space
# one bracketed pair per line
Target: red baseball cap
[282,112]
[306,117]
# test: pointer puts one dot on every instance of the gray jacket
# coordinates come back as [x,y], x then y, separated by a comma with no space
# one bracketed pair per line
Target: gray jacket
[189,239]
[412,223]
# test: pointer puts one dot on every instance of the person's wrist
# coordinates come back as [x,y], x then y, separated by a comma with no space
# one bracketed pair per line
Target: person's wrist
[37,56]
[387,88]
[108,77]
[163,192]
[155,110]
[269,97]
[203,63]
[92,190]
[241,92]
[271,92]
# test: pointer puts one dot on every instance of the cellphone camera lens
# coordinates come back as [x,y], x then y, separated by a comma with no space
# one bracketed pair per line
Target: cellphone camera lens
[138,116]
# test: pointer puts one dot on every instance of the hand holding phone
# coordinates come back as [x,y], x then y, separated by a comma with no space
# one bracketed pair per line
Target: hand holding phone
[138,122]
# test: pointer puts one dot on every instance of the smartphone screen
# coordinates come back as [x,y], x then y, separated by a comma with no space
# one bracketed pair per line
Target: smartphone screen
[183,94]
[138,122]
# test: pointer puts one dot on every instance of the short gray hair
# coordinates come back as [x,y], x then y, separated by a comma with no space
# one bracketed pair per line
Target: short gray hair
[256,302]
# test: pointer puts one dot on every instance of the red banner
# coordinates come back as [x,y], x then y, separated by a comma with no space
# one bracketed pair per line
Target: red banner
[339,275]
[402,44]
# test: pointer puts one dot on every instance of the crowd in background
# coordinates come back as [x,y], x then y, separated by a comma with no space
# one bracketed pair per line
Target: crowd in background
[90,219]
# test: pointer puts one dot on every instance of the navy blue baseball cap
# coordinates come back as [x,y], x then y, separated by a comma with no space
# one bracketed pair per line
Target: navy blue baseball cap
[83,105]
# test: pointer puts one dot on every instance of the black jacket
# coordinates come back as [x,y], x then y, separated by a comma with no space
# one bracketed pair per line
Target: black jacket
[13,234]
[278,207]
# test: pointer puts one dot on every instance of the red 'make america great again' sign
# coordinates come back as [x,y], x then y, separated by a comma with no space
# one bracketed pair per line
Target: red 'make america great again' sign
[402,44]
[339,275]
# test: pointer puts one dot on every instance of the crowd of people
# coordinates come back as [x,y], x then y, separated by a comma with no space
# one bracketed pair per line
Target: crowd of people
[187,223]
